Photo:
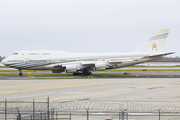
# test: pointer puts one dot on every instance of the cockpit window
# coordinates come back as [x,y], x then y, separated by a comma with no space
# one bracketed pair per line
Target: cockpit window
[15,53]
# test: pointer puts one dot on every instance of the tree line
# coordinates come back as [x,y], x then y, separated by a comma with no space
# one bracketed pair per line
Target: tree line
[170,59]
[1,58]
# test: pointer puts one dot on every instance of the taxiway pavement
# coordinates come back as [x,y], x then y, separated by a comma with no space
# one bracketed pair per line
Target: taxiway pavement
[137,89]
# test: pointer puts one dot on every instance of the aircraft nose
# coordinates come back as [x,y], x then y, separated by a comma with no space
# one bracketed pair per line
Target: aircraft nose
[4,61]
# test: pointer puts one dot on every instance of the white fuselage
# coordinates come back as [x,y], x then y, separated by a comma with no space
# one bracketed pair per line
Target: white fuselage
[49,59]
[58,61]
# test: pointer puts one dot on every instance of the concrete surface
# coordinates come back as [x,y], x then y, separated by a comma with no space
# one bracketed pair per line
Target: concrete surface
[155,89]
[144,90]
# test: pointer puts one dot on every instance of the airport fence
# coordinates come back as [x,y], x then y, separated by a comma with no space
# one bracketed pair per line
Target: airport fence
[90,115]
[88,109]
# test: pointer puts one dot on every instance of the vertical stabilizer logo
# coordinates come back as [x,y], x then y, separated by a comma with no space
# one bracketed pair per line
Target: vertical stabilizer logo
[154,46]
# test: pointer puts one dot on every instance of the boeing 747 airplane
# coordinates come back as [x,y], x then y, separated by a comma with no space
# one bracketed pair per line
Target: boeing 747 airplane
[84,63]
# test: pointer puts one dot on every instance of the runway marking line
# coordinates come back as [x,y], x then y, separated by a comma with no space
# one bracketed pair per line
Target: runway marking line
[30,75]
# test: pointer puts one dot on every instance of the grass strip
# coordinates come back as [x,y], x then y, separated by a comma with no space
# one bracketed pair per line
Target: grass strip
[150,66]
[97,77]
[37,75]
[146,70]
[4,67]
[25,70]
[52,74]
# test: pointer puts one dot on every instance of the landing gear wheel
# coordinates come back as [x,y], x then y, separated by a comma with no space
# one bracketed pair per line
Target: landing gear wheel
[90,73]
[20,74]
[76,74]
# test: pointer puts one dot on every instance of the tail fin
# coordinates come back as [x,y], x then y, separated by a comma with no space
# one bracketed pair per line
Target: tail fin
[156,43]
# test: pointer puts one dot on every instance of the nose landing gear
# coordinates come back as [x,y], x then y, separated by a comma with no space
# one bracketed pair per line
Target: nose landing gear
[20,74]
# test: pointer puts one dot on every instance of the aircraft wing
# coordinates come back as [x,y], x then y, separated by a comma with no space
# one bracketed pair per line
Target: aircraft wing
[101,65]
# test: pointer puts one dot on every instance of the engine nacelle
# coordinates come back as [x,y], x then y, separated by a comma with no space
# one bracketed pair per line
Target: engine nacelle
[71,68]
[100,66]
[57,71]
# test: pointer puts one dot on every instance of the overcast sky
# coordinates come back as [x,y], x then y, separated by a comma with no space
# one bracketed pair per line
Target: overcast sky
[86,25]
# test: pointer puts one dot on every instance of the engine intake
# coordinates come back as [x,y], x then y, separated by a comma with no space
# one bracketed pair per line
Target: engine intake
[100,66]
[71,68]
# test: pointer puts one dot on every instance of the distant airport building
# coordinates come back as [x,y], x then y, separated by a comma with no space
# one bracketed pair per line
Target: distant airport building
[160,63]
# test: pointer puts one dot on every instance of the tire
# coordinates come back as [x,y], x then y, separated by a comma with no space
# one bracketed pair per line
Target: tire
[74,74]
[82,75]
[20,74]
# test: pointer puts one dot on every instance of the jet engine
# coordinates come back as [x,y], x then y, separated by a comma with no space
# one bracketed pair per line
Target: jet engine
[100,66]
[71,68]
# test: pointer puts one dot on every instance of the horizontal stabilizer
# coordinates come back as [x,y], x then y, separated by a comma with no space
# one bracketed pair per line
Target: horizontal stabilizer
[158,55]
[163,54]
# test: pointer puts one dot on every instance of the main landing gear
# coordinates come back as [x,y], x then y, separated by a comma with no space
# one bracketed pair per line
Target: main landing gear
[20,74]
[83,74]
